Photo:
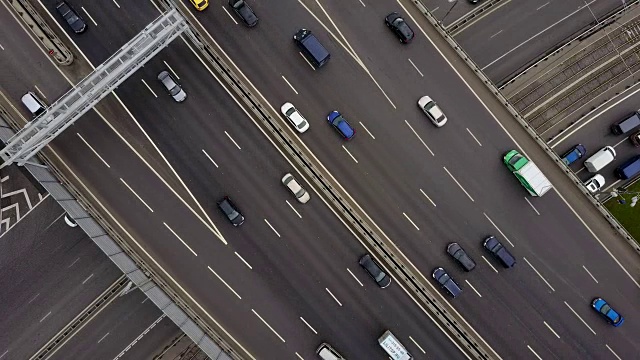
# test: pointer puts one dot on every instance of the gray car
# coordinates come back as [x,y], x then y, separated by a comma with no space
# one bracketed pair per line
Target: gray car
[457,252]
[172,86]
[375,271]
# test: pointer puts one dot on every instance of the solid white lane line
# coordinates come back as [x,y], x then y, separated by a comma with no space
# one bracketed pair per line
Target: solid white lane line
[415,67]
[533,207]
[118,5]
[345,149]
[419,347]
[456,181]
[367,130]
[171,69]
[40,91]
[538,34]
[428,198]
[288,83]
[93,150]
[358,280]
[89,16]
[620,142]
[136,194]
[179,238]
[149,87]
[613,352]
[541,277]
[474,289]
[102,338]
[500,231]
[87,279]
[294,209]
[578,316]
[496,34]
[473,136]
[589,272]
[310,327]
[333,296]
[553,331]
[541,6]
[488,263]
[269,326]
[419,138]
[534,353]
[274,230]
[46,316]
[305,59]
[234,142]
[224,282]
[412,223]
[230,16]
[209,157]
[243,260]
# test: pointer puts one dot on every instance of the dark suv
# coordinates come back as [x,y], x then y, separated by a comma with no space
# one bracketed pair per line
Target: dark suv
[375,271]
[231,211]
[447,283]
[72,18]
[499,251]
[457,252]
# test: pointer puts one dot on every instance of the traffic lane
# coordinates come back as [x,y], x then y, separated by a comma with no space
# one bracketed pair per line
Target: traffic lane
[51,272]
[526,34]
[236,170]
[17,78]
[110,25]
[113,329]
[155,342]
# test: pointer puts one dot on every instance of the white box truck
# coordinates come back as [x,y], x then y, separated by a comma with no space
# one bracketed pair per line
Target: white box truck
[393,347]
[527,173]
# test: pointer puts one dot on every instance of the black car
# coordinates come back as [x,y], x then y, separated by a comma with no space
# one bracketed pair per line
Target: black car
[244,12]
[231,211]
[396,23]
[499,251]
[72,18]
[447,283]
[457,252]
[375,271]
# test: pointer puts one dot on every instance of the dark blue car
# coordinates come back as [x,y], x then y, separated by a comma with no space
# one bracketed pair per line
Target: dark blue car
[603,308]
[574,154]
[341,125]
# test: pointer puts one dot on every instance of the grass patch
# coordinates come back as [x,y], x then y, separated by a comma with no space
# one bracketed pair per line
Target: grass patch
[628,216]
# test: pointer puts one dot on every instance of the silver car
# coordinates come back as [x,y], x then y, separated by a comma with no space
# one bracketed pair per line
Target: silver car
[294,187]
[172,86]
[432,110]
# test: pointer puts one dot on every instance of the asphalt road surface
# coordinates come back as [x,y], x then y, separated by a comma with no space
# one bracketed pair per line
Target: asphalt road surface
[130,327]
[49,273]
[471,191]
[303,271]
[504,40]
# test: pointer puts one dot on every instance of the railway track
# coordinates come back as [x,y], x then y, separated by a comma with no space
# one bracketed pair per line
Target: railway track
[566,87]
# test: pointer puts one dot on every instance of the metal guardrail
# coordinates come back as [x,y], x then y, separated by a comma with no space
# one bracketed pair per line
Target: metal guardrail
[461,23]
[505,102]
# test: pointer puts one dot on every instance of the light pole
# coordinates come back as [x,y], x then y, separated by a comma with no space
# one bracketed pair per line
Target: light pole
[618,193]
[455,2]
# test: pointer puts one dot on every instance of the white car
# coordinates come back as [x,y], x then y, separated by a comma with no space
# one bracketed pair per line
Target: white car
[295,118]
[595,183]
[432,110]
[294,187]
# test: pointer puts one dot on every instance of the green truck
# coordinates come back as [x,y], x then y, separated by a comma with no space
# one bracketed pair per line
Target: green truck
[527,173]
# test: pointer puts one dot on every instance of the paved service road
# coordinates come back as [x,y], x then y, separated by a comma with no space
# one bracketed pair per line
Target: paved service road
[474,195]
[49,274]
[303,270]
[518,32]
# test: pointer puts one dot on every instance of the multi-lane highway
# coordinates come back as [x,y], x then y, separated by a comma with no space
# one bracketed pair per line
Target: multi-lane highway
[288,271]
[423,186]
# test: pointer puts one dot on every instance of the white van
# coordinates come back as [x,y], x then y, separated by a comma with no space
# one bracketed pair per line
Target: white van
[326,352]
[600,159]
[393,347]
[33,103]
